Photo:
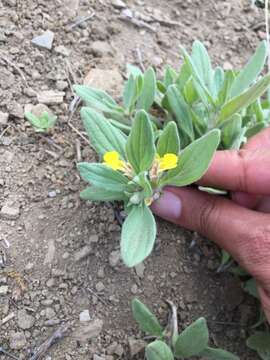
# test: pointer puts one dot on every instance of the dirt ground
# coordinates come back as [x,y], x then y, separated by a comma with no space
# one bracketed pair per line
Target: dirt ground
[59,256]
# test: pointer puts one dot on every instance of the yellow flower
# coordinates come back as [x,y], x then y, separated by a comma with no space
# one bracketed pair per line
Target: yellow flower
[167,162]
[112,159]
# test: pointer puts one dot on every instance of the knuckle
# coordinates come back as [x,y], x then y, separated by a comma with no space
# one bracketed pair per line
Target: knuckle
[208,215]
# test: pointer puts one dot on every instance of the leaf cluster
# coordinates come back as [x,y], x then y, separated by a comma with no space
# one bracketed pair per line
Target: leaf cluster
[41,123]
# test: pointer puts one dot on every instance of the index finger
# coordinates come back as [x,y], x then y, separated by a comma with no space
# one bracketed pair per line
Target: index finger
[243,170]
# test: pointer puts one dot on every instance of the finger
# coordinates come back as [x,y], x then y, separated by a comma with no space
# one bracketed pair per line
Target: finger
[262,139]
[243,170]
[244,233]
[246,200]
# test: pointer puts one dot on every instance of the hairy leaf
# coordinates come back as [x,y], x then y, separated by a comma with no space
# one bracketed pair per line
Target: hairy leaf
[145,318]
[169,141]
[260,342]
[148,93]
[94,193]
[158,350]
[218,354]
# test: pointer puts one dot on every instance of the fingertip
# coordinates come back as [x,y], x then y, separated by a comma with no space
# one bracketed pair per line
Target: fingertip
[168,206]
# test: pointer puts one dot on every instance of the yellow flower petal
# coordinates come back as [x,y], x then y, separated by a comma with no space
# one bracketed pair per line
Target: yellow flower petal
[168,161]
[112,159]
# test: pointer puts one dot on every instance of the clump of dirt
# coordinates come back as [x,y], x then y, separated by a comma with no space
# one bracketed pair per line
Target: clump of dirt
[59,257]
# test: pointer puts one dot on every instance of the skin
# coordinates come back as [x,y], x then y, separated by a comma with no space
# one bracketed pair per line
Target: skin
[241,224]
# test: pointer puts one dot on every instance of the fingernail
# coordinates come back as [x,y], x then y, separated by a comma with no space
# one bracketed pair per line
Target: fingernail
[168,206]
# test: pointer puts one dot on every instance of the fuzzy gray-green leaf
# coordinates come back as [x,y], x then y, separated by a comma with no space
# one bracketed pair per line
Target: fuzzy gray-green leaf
[218,354]
[250,72]
[145,318]
[169,141]
[94,193]
[103,136]
[148,93]
[193,340]
[140,147]
[102,176]
[260,342]
[193,161]
[158,350]
[138,235]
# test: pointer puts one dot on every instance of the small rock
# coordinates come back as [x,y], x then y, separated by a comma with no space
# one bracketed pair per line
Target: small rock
[17,340]
[119,4]
[49,313]
[114,258]
[227,65]
[140,270]
[25,321]
[115,349]
[110,81]
[16,110]
[85,316]
[50,97]
[50,283]
[29,92]
[61,85]
[70,7]
[100,48]
[82,253]
[97,357]
[44,41]
[10,212]
[88,331]
[61,49]
[52,194]
[3,290]
[100,286]
[136,346]
[134,289]
[3,118]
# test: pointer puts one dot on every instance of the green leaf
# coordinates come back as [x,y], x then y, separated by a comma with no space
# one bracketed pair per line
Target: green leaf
[219,78]
[102,176]
[254,129]
[190,92]
[250,286]
[203,65]
[218,354]
[226,86]
[194,160]
[176,104]
[148,93]
[183,76]
[140,147]
[129,94]
[138,235]
[133,70]
[158,350]
[169,141]
[197,76]
[193,340]
[242,101]
[250,72]
[230,132]
[103,136]
[260,342]
[94,193]
[145,318]
[170,76]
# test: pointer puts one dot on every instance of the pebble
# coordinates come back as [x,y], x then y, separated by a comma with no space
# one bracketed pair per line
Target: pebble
[134,289]
[49,313]
[85,316]
[50,97]
[100,286]
[136,346]
[3,118]
[119,4]
[114,258]
[61,85]
[140,270]
[44,41]
[115,349]
[227,65]
[17,340]
[61,49]
[16,110]
[25,321]
[82,253]
[100,48]
[52,194]
[88,331]
[50,283]
[97,357]
[10,212]
[3,290]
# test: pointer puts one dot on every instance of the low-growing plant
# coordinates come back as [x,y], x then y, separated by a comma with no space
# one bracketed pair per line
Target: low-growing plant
[41,123]
[169,344]
[165,132]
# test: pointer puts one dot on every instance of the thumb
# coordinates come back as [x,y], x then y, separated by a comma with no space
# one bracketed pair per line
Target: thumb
[240,231]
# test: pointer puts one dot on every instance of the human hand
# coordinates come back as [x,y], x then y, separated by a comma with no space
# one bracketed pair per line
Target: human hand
[241,225]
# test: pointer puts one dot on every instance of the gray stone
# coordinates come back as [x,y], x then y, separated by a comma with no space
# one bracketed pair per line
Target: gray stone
[88,331]
[114,258]
[134,289]
[136,346]
[49,313]
[101,48]
[100,286]
[16,110]
[82,253]
[61,49]
[140,270]
[97,357]
[25,321]
[50,97]
[85,316]
[10,212]
[119,4]
[3,290]
[44,41]
[17,340]
[61,85]
[3,118]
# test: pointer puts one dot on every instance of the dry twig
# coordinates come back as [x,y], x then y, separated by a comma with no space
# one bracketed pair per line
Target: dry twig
[59,334]
[2,351]
[81,21]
